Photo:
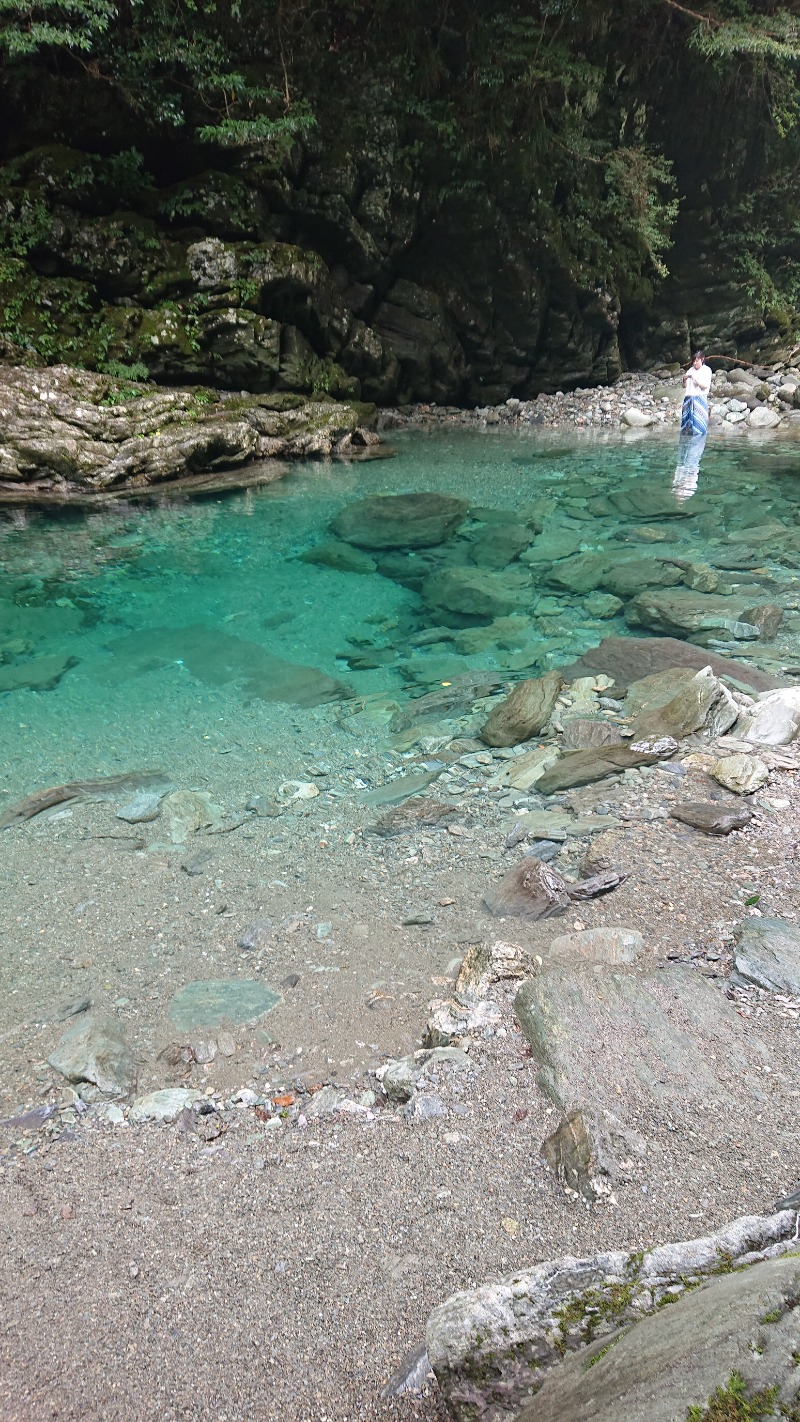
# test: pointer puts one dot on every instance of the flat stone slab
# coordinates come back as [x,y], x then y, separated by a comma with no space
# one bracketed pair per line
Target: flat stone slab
[617,946]
[629,659]
[555,824]
[400,520]
[713,816]
[767,953]
[627,1048]
[586,766]
[210,1002]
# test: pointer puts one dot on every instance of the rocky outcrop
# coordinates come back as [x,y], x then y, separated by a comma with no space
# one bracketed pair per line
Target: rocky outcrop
[67,432]
[495,1347]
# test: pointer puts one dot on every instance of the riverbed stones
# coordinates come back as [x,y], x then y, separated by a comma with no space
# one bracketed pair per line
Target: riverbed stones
[774,720]
[412,814]
[586,766]
[629,659]
[767,953]
[743,774]
[525,770]
[492,1347]
[210,1002]
[704,615]
[95,1051]
[524,713]
[400,520]
[678,702]
[627,579]
[717,817]
[477,592]
[36,673]
[343,557]
[401,1077]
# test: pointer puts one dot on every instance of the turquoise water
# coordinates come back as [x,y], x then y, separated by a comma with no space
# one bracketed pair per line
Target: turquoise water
[106,595]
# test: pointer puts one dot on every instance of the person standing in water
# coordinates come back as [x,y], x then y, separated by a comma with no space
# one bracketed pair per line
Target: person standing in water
[696,385]
[694,427]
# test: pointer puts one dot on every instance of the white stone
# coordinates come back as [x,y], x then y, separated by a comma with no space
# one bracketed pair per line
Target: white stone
[774,720]
[163,1105]
[763,419]
[637,419]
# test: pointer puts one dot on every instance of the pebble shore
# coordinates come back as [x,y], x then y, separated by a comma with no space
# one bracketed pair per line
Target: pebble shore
[742,400]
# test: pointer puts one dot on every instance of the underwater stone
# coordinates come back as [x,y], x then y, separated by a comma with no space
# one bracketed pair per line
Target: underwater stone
[400,520]
[95,1050]
[209,1002]
[478,592]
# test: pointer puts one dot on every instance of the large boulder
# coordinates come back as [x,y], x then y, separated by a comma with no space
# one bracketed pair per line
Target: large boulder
[705,615]
[400,520]
[495,1347]
[774,720]
[478,592]
[629,659]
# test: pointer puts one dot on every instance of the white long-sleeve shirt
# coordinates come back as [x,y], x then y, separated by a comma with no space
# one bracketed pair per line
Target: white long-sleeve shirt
[698,381]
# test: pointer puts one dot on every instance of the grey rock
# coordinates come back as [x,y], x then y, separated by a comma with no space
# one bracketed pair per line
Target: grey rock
[743,774]
[209,1002]
[524,713]
[143,808]
[767,953]
[712,816]
[163,1105]
[774,720]
[585,767]
[616,946]
[478,592]
[678,702]
[454,1023]
[425,1107]
[255,935]
[401,1078]
[411,1376]
[582,1152]
[492,1348]
[545,850]
[95,1051]
[665,1367]
[400,520]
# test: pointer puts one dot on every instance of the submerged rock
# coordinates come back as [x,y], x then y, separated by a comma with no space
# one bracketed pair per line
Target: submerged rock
[217,658]
[704,615]
[95,1051]
[400,520]
[478,592]
[767,953]
[585,767]
[493,1347]
[629,659]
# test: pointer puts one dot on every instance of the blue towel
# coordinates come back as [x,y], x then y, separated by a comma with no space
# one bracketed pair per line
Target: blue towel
[694,415]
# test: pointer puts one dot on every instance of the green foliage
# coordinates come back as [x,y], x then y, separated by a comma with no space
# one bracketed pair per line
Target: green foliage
[730,1403]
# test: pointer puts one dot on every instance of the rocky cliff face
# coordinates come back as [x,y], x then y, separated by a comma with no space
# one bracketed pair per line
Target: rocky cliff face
[292,276]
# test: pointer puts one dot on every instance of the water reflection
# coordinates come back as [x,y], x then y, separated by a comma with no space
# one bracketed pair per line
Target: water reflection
[687,470]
